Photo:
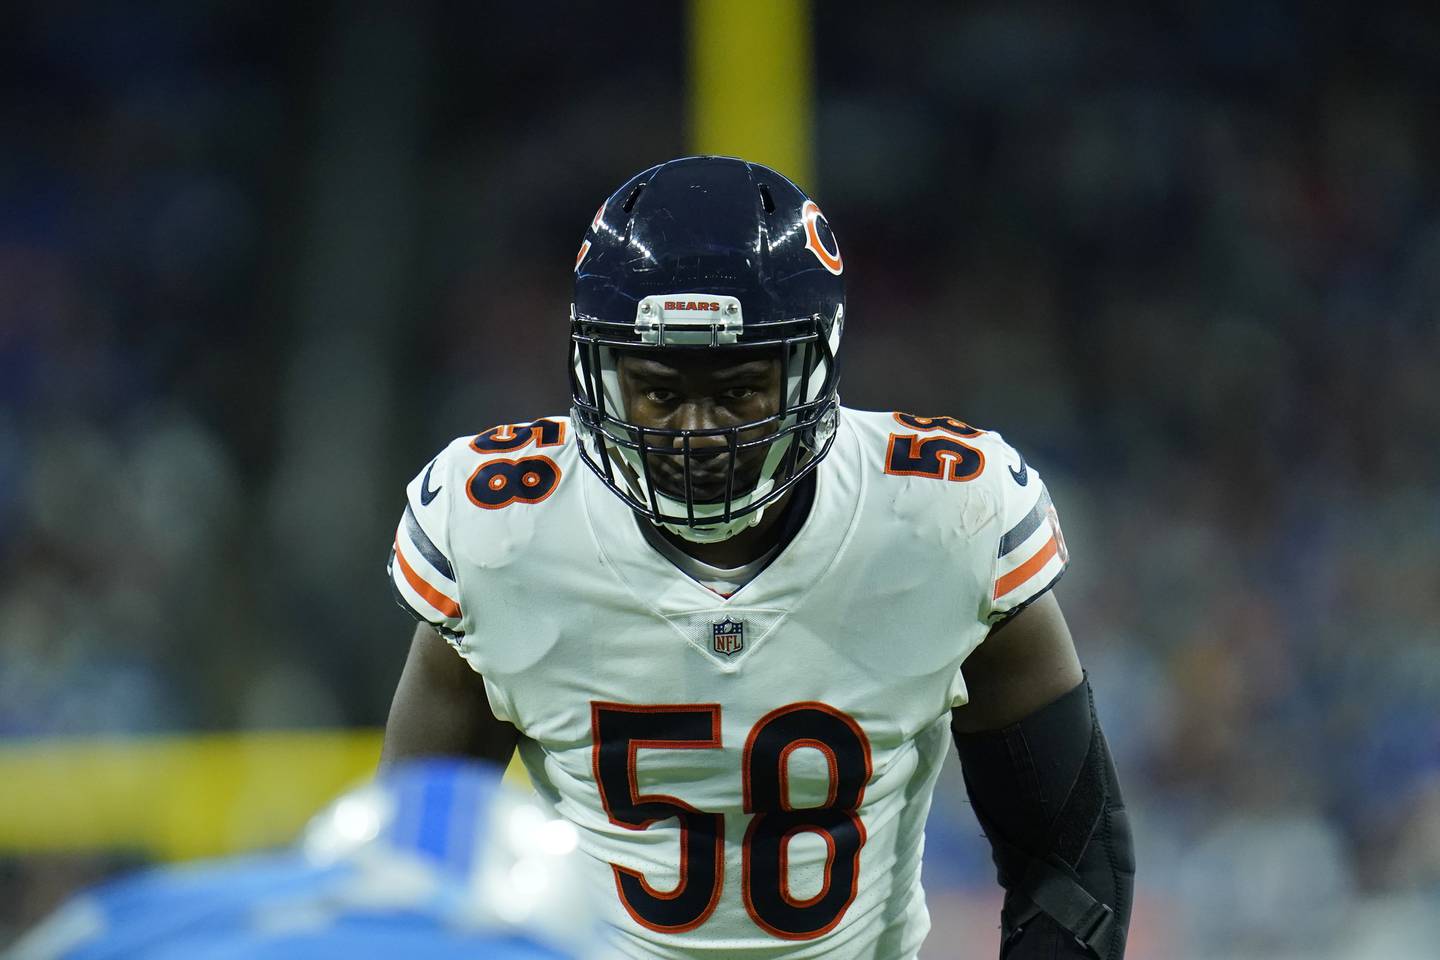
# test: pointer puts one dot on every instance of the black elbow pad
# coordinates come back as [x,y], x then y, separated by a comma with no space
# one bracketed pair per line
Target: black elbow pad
[1046,793]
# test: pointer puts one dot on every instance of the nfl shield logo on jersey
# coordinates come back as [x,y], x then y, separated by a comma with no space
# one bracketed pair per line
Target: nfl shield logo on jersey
[729,636]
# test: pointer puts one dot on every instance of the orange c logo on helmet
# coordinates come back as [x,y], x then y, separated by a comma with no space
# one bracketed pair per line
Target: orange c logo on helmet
[810,213]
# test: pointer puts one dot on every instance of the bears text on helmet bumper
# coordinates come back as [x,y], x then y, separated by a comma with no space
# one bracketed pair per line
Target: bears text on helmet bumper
[689,319]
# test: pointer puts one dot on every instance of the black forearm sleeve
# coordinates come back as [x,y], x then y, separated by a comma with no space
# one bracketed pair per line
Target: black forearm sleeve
[1045,791]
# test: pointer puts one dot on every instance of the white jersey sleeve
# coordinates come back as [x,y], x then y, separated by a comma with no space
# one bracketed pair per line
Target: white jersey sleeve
[1031,554]
[421,565]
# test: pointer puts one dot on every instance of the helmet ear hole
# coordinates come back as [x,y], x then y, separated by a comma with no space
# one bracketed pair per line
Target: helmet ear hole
[629,204]
[766,201]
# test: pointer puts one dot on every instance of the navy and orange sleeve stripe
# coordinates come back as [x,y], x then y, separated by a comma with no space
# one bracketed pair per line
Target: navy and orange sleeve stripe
[1031,555]
[426,546]
[434,598]
[423,578]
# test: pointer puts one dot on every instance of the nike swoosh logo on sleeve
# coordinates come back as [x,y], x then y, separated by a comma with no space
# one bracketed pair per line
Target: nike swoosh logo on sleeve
[426,494]
[1022,476]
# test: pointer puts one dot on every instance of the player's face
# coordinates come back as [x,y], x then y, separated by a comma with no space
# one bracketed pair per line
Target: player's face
[669,390]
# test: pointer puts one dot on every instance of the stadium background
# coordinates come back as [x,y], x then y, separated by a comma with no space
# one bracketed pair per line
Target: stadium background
[259,260]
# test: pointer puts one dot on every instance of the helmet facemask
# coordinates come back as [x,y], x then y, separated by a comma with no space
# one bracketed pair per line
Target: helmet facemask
[661,473]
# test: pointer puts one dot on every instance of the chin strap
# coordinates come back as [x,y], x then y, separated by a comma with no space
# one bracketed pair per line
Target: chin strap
[714,533]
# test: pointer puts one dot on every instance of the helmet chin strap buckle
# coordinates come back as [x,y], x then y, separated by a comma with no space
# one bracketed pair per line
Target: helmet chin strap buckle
[716,532]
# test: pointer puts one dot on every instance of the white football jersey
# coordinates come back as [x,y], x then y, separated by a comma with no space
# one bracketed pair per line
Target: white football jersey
[750,774]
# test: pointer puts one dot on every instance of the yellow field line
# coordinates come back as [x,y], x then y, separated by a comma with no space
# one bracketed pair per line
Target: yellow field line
[175,797]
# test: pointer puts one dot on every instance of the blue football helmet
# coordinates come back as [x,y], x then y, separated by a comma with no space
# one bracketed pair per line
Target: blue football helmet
[434,859]
[697,255]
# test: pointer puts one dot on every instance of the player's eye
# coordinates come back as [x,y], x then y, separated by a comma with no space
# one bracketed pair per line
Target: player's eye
[740,393]
[660,396]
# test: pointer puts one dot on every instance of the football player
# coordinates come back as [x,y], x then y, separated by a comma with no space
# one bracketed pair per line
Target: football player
[432,860]
[731,625]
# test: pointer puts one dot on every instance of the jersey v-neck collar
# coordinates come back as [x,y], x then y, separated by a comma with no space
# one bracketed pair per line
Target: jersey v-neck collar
[706,574]
[658,583]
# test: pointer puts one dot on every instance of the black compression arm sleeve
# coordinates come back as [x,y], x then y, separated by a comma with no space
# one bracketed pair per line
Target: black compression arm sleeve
[1046,793]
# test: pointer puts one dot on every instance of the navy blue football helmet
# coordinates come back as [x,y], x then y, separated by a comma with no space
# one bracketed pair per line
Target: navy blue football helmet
[697,255]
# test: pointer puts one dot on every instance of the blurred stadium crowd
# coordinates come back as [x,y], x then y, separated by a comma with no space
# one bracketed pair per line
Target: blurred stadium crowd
[256,264]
